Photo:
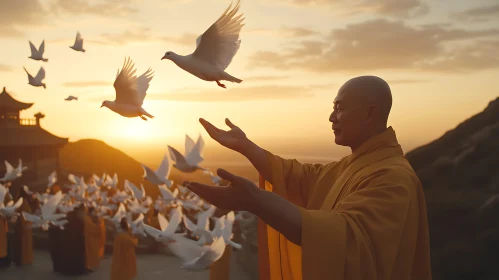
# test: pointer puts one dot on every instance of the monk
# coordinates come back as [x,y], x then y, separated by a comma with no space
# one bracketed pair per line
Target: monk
[73,240]
[4,242]
[103,236]
[92,234]
[23,236]
[362,217]
[124,262]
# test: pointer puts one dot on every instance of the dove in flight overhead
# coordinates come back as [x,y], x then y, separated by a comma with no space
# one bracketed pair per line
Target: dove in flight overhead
[78,44]
[69,98]
[37,54]
[130,92]
[193,155]
[215,49]
[37,80]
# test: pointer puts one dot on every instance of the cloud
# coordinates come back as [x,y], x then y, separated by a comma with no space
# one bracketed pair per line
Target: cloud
[478,14]
[267,92]
[186,39]
[6,68]
[105,8]
[141,34]
[392,8]
[386,44]
[266,78]
[406,81]
[81,84]
[15,15]
[283,31]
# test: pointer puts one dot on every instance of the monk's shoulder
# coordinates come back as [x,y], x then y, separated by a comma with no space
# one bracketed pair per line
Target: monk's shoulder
[396,170]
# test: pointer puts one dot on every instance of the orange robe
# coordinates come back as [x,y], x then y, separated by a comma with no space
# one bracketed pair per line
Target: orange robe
[124,262]
[220,270]
[4,229]
[363,217]
[24,237]
[102,228]
[92,243]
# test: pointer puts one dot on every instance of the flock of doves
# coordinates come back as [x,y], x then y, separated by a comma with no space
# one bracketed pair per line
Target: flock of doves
[194,243]
[197,245]
[215,49]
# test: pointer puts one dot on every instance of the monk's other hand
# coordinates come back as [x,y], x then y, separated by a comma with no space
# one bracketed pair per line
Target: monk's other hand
[239,194]
[234,139]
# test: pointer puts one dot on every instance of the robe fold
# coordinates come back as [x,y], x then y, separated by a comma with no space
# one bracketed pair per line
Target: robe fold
[92,243]
[103,236]
[363,217]
[220,270]
[23,237]
[73,242]
[124,262]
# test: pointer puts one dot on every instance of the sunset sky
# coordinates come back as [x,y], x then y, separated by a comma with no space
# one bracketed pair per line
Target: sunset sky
[441,59]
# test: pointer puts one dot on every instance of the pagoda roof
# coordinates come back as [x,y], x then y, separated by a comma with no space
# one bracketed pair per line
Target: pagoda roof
[7,101]
[29,136]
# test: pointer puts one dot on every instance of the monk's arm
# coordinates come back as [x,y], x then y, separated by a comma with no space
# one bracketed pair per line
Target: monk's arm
[258,157]
[279,213]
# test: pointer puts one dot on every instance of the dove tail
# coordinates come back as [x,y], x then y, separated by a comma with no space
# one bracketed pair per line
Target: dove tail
[232,79]
[44,86]
[45,60]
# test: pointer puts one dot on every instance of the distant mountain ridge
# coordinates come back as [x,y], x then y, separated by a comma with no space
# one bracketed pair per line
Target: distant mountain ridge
[460,173]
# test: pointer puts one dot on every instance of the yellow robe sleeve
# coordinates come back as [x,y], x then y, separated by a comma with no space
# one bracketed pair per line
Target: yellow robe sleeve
[3,237]
[370,234]
[295,181]
[124,262]
[92,243]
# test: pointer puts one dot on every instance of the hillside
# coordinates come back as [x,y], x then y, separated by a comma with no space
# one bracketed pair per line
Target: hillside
[88,156]
[460,172]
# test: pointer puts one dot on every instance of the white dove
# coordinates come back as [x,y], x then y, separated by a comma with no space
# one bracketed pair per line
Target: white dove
[227,230]
[193,155]
[130,92]
[215,49]
[168,228]
[195,257]
[69,98]
[37,54]
[201,229]
[160,176]
[12,173]
[8,210]
[37,81]
[78,45]
[48,214]
[214,178]
[52,179]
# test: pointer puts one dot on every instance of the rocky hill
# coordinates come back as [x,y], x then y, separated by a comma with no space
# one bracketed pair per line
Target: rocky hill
[460,176]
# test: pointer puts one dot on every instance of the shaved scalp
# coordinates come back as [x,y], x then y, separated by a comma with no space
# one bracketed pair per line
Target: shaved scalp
[371,90]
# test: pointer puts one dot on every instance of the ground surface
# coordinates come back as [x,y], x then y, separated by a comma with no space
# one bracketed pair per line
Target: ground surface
[148,266]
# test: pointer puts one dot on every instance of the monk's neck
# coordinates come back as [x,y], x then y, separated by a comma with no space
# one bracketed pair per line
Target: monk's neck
[366,137]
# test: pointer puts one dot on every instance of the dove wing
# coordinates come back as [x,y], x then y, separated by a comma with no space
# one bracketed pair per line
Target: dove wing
[163,171]
[136,192]
[78,41]
[186,249]
[220,42]
[189,144]
[179,158]
[194,157]
[189,224]
[31,218]
[40,75]
[165,192]
[41,49]
[33,49]
[30,78]
[50,206]
[154,232]
[143,84]
[125,84]
[175,220]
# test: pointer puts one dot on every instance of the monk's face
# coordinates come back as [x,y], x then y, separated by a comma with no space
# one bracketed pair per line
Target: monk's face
[348,118]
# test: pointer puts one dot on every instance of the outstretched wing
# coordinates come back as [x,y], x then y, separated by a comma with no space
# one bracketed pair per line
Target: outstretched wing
[30,78]
[143,84]
[194,157]
[40,75]
[34,51]
[41,49]
[78,41]
[189,144]
[126,84]
[220,43]
[163,171]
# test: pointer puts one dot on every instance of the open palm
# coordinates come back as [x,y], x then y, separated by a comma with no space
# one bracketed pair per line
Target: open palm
[233,139]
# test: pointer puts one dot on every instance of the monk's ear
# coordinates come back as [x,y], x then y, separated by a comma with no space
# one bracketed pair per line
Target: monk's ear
[372,112]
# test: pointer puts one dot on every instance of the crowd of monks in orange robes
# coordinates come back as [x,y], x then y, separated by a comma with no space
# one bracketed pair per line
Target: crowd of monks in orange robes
[79,247]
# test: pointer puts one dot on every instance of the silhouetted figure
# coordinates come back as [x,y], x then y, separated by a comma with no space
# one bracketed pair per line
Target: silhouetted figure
[72,255]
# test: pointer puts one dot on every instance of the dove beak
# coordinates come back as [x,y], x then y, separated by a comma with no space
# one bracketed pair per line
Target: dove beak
[164,57]
[101,105]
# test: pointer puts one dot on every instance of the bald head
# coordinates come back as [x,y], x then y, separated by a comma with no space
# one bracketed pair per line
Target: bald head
[370,90]
[361,110]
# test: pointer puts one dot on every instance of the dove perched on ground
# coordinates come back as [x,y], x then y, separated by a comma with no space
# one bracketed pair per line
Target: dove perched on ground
[37,80]
[37,54]
[69,98]
[215,49]
[193,155]
[78,45]
[130,92]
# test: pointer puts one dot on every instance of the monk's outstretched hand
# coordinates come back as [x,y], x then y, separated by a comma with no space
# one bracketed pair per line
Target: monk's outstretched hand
[238,195]
[234,139]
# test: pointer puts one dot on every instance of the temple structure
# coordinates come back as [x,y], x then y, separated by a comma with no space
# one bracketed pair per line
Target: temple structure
[25,139]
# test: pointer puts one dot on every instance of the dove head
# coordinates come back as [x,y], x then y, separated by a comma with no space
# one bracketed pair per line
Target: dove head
[106,103]
[169,55]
